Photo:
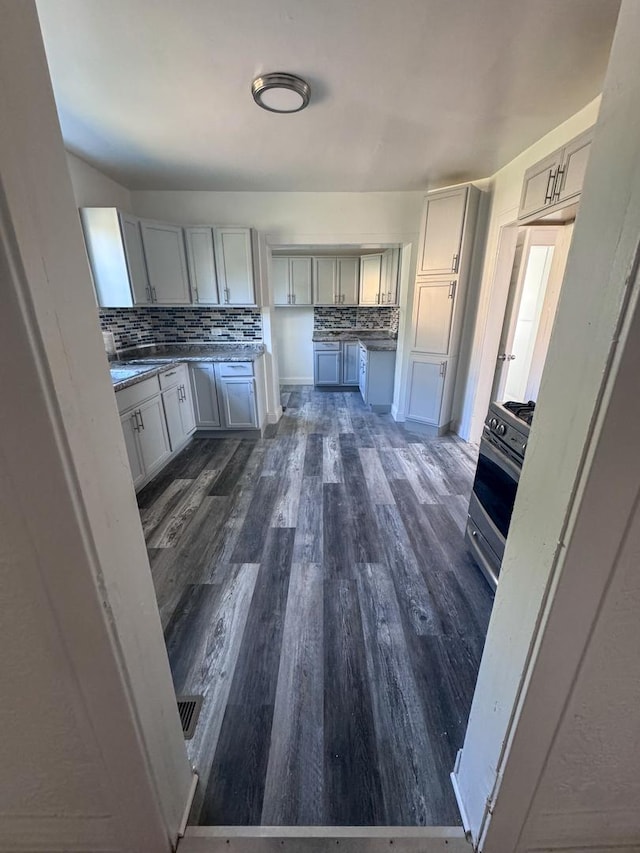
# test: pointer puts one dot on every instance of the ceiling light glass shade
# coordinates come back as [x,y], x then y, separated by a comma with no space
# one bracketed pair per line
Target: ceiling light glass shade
[280,93]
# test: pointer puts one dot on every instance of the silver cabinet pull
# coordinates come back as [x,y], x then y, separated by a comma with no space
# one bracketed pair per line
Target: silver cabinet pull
[134,418]
[288,299]
[226,294]
[557,184]
[173,373]
[155,299]
[383,298]
[389,299]
[443,368]
[139,414]
[342,298]
[452,289]
[548,196]
[454,263]
[293,298]
[147,290]
[196,295]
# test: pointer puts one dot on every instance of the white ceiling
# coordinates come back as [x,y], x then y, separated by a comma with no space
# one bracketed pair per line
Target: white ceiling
[405,94]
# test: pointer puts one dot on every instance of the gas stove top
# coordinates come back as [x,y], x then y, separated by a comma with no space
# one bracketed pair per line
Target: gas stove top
[508,425]
[523,411]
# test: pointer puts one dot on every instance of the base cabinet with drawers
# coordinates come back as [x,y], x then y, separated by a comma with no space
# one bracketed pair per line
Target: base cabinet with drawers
[335,362]
[227,395]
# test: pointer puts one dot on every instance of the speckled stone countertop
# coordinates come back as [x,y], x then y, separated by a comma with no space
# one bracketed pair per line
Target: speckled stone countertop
[372,339]
[134,365]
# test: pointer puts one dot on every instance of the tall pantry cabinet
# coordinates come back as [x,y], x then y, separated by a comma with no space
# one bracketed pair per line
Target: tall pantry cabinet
[444,258]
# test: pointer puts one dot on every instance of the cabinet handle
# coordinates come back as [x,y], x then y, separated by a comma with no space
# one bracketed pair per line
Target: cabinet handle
[389,299]
[226,295]
[452,289]
[134,418]
[293,299]
[147,290]
[288,299]
[557,184]
[141,421]
[454,263]
[383,298]
[173,373]
[548,196]
[155,299]
[196,295]
[342,298]
[443,368]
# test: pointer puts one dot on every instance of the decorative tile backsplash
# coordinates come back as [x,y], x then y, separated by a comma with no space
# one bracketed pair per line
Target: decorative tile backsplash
[327,318]
[137,326]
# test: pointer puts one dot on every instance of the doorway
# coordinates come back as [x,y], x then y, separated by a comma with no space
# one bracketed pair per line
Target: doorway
[534,289]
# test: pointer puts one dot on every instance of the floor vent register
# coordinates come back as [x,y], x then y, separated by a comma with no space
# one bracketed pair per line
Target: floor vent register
[189,710]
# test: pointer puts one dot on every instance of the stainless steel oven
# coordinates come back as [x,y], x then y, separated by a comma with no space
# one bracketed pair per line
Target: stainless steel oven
[502,449]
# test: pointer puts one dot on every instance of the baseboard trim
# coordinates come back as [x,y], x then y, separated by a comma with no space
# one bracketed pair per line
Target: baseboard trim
[296,380]
[187,807]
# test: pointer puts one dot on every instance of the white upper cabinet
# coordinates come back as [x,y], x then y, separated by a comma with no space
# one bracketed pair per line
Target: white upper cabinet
[166,263]
[291,280]
[325,275]
[574,165]
[234,261]
[556,180]
[434,308]
[390,271]
[442,227]
[371,279]
[116,258]
[348,281]
[202,265]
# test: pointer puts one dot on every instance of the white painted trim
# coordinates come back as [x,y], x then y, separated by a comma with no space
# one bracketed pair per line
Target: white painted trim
[187,808]
[274,417]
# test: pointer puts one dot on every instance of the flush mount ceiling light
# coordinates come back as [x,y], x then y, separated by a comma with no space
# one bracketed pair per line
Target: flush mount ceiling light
[280,92]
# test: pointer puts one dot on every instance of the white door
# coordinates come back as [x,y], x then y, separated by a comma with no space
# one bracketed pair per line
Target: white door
[202,265]
[574,165]
[370,279]
[531,270]
[325,281]
[166,263]
[350,363]
[152,437]
[538,185]
[426,388]
[132,241]
[442,227]
[280,281]
[348,280]
[434,305]
[234,263]
[205,399]
[239,402]
[300,281]
[171,403]
[130,427]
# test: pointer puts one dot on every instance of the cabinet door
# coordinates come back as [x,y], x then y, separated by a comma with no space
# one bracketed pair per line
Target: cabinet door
[152,437]
[348,280]
[202,265]
[537,189]
[280,281]
[434,301]
[442,227]
[574,165]
[426,387]
[187,414]
[205,399]
[130,431]
[362,374]
[300,280]
[327,368]
[171,403]
[234,262]
[166,263]
[238,403]
[350,363]
[325,281]
[390,267]
[132,240]
[370,279]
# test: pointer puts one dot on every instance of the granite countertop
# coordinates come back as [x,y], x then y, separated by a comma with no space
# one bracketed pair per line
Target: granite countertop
[371,339]
[134,365]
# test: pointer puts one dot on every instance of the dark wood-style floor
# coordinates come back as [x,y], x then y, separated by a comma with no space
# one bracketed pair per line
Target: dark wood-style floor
[315,587]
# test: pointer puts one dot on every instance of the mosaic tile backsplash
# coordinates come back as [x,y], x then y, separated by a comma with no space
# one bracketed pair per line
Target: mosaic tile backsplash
[137,326]
[327,318]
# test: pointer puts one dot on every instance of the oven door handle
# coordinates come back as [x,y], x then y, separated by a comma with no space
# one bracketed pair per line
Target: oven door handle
[501,459]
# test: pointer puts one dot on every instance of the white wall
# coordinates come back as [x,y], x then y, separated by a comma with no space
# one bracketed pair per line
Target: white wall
[92,188]
[506,189]
[551,751]
[91,752]
[293,332]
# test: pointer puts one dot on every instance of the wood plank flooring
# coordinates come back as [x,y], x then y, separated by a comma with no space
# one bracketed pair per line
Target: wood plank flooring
[314,586]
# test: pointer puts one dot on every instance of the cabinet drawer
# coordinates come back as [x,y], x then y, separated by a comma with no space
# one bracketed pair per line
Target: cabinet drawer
[173,376]
[235,368]
[323,346]
[135,394]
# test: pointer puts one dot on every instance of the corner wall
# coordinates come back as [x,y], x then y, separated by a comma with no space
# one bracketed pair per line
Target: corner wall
[92,188]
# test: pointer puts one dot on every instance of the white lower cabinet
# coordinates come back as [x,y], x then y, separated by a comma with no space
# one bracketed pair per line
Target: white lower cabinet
[238,398]
[205,398]
[430,388]
[327,364]
[146,438]
[224,395]
[129,424]
[178,405]
[350,362]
